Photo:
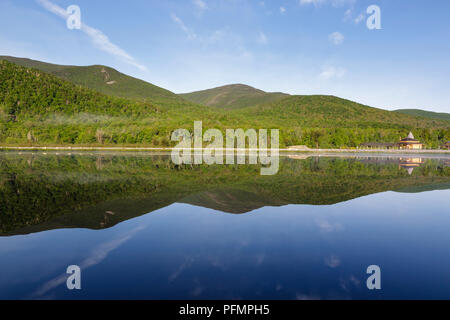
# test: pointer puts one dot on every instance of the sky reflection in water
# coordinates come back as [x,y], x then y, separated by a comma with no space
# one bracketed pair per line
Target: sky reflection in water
[290,252]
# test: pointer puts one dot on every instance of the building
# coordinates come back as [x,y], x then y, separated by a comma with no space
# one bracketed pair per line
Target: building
[447,145]
[410,143]
[377,145]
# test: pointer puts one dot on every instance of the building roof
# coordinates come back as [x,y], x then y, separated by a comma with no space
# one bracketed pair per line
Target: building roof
[410,139]
[407,140]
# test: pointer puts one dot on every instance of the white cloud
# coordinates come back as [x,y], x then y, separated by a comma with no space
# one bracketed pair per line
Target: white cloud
[191,35]
[336,38]
[54,8]
[99,39]
[282,10]
[359,18]
[303,2]
[222,41]
[200,4]
[218,36]
[348,14]
[330,72]
[334,3]
[262,38]
[341,3]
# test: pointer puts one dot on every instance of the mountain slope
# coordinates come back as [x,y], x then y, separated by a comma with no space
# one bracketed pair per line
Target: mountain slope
[233,96]
[425,114]
[334,112]
[41,109]
[105,80]
[25,92]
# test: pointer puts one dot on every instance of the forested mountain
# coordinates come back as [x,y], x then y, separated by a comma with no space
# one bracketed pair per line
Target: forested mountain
[105,80]
[38,108]
[425,114]
[25,91]
[233,96]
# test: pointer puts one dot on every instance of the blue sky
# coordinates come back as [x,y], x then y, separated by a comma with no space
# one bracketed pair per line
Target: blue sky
[293,46]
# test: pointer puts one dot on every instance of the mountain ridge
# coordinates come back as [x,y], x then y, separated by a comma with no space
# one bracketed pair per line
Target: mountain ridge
[42,109]
[232,96]
[103,79]
[112,82]
[425,114]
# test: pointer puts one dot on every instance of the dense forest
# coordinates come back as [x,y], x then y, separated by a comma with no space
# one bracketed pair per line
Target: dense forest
[425,114]
[41,109]
[233,96]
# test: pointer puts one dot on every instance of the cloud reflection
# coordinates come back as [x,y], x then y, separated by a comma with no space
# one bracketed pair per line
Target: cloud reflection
[97,255]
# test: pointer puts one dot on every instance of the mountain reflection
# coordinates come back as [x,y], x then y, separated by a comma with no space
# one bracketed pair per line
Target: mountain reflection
[42,191]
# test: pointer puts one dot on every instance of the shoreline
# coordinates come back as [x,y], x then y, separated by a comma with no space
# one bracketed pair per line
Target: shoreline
[285,150]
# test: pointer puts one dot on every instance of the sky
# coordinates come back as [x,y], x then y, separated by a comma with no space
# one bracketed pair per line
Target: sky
[292,46]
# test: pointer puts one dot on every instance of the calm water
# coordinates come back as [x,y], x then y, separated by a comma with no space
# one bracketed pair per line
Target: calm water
[141,228]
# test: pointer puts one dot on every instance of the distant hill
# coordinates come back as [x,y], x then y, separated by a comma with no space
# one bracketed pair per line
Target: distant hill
[425,114]
[233,96]
[334,112]
[40,108]
[103,79]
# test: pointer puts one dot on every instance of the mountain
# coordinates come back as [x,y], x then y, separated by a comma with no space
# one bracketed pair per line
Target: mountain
[334,112]
[26,92]
[232,96]
[103,79]
[425,114]
[39,108]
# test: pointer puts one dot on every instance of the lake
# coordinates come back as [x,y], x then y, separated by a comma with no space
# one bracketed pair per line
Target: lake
[140,227]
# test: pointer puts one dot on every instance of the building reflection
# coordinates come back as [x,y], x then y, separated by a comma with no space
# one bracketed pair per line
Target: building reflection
[410,164]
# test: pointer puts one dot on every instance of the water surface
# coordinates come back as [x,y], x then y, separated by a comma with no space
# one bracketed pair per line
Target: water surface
[142,228]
